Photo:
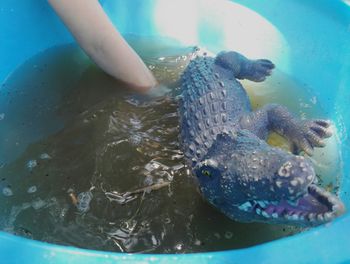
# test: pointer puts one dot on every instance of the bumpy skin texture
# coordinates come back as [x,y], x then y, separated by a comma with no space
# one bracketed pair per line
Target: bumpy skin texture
[225,144]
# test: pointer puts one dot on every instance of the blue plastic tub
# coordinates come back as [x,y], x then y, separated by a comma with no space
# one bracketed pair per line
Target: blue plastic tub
[307,39]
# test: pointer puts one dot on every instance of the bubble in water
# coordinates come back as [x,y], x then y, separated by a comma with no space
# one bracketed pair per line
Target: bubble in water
[154,240]
[32,189]
[135,168]
[228,235]
[7,191]
[313,100]
[145,224]
[197,242]
[45,156]
[217,235]
[38,203]
[32,164]
[178,246]
[148,180]
[2,116]
[63,212]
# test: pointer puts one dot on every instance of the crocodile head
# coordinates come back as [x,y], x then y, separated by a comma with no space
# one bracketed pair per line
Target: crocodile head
[250,181]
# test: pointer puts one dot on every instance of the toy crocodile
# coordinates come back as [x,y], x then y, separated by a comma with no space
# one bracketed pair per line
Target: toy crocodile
[225,144]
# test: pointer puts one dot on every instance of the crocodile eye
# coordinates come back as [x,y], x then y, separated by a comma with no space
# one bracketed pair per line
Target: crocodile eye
[206,173]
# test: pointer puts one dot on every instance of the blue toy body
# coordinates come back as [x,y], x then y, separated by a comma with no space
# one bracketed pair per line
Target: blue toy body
[224,141]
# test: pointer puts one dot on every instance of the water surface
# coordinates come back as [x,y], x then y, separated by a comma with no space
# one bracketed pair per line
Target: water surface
[74,141]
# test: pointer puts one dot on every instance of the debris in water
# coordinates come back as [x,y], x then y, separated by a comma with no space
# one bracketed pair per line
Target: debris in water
[123,198]
[119,197]
[150,188]
[72,196]
[83,201]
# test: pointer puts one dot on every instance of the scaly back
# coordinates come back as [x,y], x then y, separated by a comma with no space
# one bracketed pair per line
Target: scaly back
[212,101]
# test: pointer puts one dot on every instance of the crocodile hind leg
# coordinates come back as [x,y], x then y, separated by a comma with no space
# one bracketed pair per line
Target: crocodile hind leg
[304,135]
[243,68]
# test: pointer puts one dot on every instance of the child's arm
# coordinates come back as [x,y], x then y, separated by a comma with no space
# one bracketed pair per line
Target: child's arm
[103,43]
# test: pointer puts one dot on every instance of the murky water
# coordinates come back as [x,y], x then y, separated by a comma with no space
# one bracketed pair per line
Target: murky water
[74,141]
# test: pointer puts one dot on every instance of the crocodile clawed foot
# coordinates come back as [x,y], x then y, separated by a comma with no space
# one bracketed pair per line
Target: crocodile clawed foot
[310,135]
[261,69]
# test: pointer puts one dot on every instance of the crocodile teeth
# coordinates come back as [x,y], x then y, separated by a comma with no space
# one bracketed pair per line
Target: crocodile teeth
[264,214]
[327,216]
[262,204]
[274,215]
[320,217]
[311,216]
[336,207]
[292,217]
[332,200]
[245,206]
[295,217]
[287,216]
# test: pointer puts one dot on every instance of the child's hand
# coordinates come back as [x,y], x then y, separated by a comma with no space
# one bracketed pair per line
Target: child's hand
[103,43]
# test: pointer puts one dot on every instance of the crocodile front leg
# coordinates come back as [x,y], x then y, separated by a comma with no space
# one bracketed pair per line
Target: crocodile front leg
[304,135]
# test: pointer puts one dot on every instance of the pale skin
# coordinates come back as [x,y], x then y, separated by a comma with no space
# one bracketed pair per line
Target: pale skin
[98,37]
